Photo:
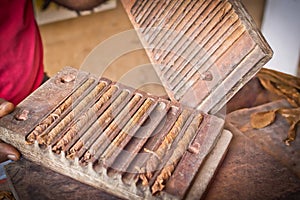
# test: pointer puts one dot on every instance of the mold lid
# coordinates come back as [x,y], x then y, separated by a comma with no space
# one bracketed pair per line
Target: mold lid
[203,51]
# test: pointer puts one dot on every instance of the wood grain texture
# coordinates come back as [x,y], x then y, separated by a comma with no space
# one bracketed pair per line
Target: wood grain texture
[251,170]
[31,181]
[271,141]
[187,39]
[105,154]
[28,180]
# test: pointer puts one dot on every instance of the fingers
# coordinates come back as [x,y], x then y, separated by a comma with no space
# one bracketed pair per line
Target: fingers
[8,152]
[5,107]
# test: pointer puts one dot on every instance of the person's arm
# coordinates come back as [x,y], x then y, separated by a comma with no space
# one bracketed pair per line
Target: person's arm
[7,152]
[79,5]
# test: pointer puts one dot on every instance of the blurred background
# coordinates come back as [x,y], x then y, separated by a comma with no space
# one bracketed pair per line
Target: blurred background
[68,38]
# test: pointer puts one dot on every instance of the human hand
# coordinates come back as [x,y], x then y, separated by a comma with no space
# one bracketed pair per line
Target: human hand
[7,152]
[5,107]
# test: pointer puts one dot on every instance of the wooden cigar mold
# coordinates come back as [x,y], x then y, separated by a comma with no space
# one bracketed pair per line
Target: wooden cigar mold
[129,143]
[133,144]
[204,50]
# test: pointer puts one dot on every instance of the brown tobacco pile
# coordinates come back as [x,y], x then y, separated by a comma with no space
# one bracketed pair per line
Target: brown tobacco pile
[285,86]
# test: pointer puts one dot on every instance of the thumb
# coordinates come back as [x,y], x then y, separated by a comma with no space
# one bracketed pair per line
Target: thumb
[8,152]
[5,107]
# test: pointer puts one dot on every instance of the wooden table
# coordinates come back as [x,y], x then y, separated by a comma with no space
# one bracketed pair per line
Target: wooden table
[258,165]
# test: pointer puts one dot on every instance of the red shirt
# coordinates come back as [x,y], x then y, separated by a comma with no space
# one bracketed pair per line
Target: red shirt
[21,53]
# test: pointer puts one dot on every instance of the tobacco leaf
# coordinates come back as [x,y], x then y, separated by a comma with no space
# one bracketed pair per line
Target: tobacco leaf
[5,195]
[293,118]
[279,77]
[262,119]
[290,93]
[285,86]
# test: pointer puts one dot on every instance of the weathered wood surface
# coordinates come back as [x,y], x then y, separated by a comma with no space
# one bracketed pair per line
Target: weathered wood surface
[104,132]
[31,181]
[251,95]
[42,101]
[203,51]
[258,164]
[248,172]
[270,138]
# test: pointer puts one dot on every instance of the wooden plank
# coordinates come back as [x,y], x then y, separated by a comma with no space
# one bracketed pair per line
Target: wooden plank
[171,56]
[102,148]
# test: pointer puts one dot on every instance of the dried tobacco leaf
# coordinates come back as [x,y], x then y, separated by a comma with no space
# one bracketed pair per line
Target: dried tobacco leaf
[291,135]
[279,77]
[4,195]
[290,93]
[291,114]
[293,118]
[267,84]
[291,96]
[262,119]
[286,86]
